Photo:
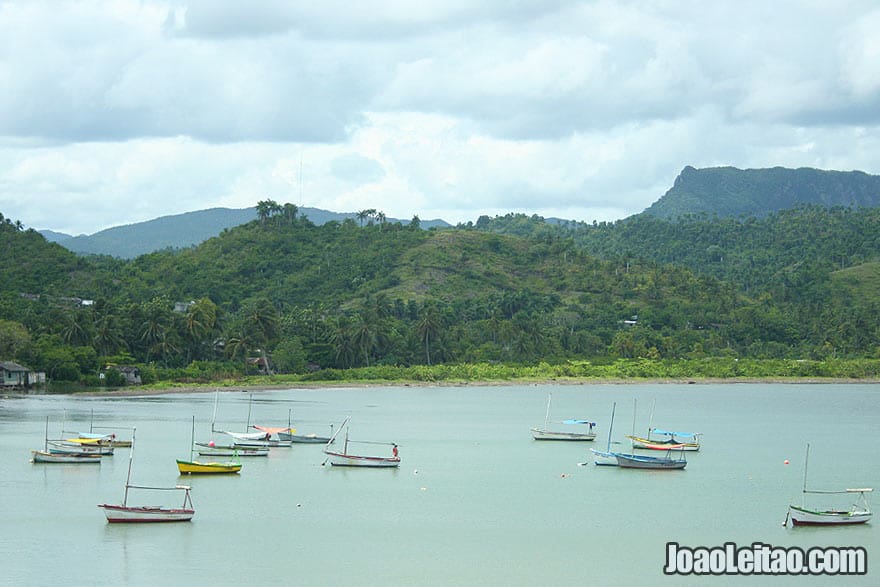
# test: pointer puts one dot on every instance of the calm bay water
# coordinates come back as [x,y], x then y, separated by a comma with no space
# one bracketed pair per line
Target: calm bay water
[475,502]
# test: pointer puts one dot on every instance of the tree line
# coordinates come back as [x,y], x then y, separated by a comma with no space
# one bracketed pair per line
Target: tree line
[281,294]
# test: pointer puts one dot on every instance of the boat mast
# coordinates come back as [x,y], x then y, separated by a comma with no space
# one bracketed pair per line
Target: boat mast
[547,415]
[192,438]
[611,427]
[214,417]
[806,463]
[46,438]
[632,442]
[128,478]
[651,419]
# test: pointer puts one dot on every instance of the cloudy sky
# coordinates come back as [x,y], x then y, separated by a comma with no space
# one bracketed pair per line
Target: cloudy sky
[120,111]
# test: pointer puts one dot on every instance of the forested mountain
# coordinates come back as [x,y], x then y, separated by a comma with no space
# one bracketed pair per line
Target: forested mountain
[180,231]
[727,191]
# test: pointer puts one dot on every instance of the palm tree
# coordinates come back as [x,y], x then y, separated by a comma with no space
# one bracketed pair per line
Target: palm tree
[363,215]
[200,323]
[290,212]
[365,338]
[264,210]
[108,338]
[428,328]
[341,337]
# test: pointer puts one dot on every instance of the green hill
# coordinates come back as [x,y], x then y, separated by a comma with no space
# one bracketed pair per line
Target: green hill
[727,191]
[180,231]
[515,289]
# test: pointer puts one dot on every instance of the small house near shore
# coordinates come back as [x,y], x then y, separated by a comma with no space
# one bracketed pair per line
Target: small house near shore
[15,375]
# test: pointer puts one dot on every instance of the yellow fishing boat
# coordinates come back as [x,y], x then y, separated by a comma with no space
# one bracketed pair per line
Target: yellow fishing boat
[192,467]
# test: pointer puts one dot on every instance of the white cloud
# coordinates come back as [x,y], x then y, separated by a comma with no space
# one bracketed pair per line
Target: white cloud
[119,111]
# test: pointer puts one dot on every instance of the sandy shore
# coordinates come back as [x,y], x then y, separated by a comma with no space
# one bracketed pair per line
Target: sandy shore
[142,391]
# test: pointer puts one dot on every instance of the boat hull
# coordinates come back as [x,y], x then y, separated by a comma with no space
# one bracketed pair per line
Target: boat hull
[40,456]
[139,514]
[543,434]
[640,462]
[343,460]
[803,517]
[196,467]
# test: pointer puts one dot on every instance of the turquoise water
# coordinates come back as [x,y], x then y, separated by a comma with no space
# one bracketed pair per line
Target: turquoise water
[475,502]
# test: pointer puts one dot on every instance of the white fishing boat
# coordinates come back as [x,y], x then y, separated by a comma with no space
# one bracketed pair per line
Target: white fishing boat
[572,429]
[148,513]
[291,435]
[345,458]
[250,440]
[857,513]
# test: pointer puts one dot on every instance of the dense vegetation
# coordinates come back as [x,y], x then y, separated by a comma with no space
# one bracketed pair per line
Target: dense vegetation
[727,191]
[640,297]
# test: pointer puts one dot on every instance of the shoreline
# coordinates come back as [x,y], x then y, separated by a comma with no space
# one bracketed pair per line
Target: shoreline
[317,385]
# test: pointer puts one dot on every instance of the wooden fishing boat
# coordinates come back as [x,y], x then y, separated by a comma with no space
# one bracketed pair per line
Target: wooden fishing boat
[207,468]
[345,458]
[672,440]
[689,441]
[208,450]
[148,513]
[633,461]
[290,434]
[41,456]
[549,432]
[46,456]
[858,513]
[193,467]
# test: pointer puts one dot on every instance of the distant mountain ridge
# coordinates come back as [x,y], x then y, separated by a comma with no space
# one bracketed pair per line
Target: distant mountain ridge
[728,191]
[181,231]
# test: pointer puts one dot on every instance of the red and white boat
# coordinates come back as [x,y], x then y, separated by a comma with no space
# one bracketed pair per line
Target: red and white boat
[148,513]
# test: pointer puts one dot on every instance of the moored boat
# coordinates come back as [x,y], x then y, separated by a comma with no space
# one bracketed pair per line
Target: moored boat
[230,451]
[40,456]
[198,467]
[633,461]
[585,430]
[148,513]
[672,440]
[344,458]
[192,467]
[47,456]
[857,513]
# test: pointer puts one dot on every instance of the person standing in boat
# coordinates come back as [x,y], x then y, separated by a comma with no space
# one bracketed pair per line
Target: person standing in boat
[394,450]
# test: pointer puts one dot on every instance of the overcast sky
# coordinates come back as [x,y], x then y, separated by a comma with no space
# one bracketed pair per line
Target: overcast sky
[122,111]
